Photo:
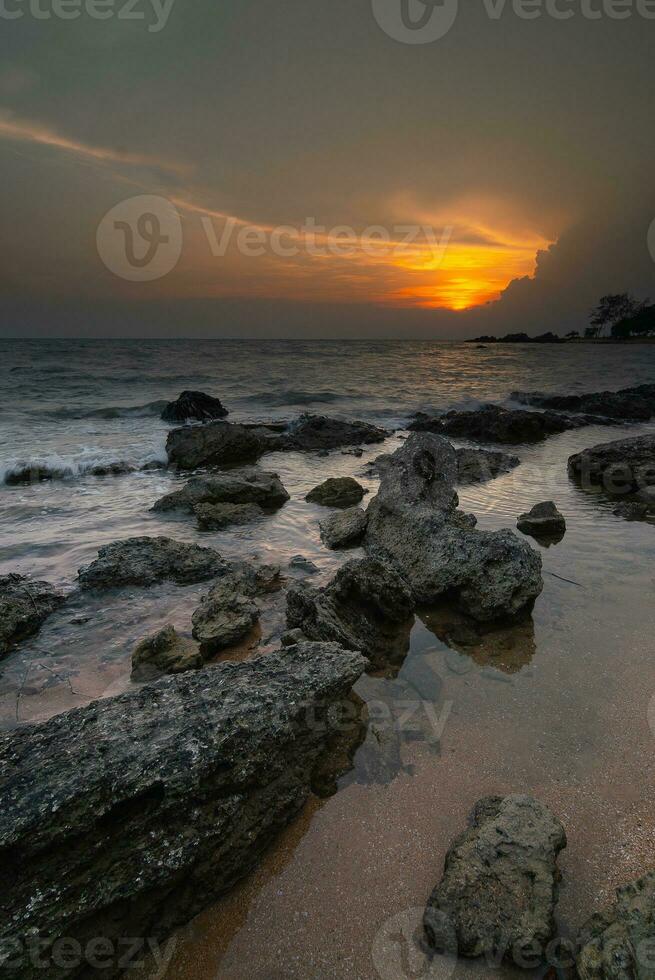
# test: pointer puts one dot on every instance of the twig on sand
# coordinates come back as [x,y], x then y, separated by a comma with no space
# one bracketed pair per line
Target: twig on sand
[569,580]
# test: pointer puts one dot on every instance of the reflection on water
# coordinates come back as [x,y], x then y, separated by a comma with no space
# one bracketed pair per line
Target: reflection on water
[507,648]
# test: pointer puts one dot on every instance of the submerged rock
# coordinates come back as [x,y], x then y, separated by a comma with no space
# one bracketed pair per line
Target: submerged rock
[194,405]
[215,444]
[619,944]
[366,607]
[491,423]
[228,612]
[480,465]
[151,805]
[345,529]
[413,523]
[245,486]
[621,467]
[499,887]
[632,404]
[215,517]
[632,510]
[25,604]
[314,432]
[146,560]
[340,491]
[166,652]
[543,521]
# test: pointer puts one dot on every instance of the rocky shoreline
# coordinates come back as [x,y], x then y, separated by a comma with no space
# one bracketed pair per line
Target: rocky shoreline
[149,805]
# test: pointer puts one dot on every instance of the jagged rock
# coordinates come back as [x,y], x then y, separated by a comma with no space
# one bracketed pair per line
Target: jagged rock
[246,486]
[290,637]
[194,405]
[25,604]
[619,944]
[145,560]
[480,465]
[365,607]
[491,423]
[345,529]
[413,523]
[215,517]
[228,613]
[621,467]
[341,491]
[215,444]
[499,887]
[543,521]
[164,653]
[302,564]
[151,805]
[314,432]
[632,404]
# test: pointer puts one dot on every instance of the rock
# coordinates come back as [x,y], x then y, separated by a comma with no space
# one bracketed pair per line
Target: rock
[480,465]
[619,944]
[215,517]
[632,404]
[631,510]
[366,605]
[621,467]
[345,529]
[302,564]
[315,432]
[228,613]
[413,524]
[491,423]
[194,405]
[543,521]
[151,805]
[164,653]
[25,604]
[647,496]
[499,887]
[291,637]
[341,491]
[145,560]
[245,486]
[215,444]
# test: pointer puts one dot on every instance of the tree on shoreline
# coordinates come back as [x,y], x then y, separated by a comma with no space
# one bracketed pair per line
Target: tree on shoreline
[612,310]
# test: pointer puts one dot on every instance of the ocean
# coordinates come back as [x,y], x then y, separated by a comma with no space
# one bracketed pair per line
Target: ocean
[563,711]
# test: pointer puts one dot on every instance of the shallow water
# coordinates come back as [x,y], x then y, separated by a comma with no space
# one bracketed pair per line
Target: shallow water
[559,708]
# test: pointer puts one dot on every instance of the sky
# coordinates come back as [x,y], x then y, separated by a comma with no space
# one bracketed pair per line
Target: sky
[322,169]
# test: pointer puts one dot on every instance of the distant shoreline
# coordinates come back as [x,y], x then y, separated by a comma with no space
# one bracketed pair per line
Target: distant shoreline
[565,340]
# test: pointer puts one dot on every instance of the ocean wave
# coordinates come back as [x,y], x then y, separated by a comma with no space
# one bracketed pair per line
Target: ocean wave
[43,469]
[297,397]
[149,410]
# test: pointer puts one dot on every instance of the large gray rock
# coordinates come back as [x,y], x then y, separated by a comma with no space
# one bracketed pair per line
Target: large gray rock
[491,423]
[339,491]
[499,887]
[414,524]
[194,405]
[543,521]
[25,604]
[621,467]
[215,517]
[149,806]
[481,465]
[620,944]
[345,529]
[215,444]
[314,432]
[145,560]
[366,607]
[245,486]
[631,404]
[166,652]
